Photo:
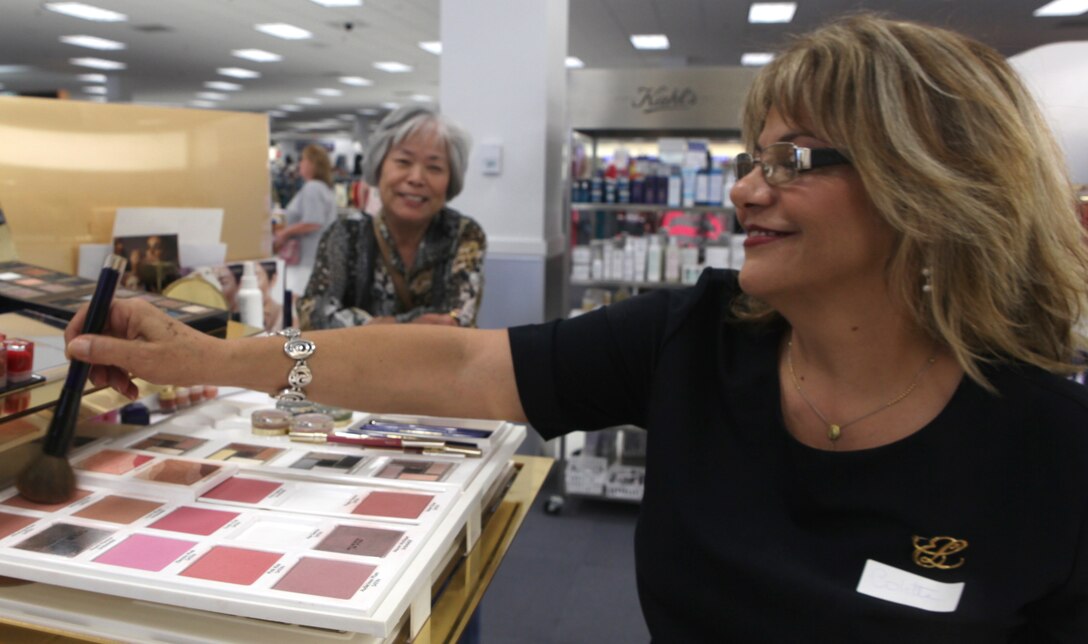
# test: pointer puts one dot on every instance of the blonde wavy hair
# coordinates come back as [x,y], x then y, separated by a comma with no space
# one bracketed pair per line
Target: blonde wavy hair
[322,165]
[959,161]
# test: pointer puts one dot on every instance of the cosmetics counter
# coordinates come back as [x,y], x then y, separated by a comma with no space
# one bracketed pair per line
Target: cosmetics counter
[206,526]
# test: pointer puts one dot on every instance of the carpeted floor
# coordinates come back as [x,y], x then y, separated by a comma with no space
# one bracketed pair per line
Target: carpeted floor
[568,578]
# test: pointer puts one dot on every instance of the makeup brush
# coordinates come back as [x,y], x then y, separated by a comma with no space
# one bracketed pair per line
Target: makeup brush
[49,478]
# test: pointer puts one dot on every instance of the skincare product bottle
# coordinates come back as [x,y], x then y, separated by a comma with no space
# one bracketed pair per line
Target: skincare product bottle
[596,266]
[702,188]
[689,175]
[716,191]
[250,300]
[641,249]
[649,190]
[675,190]
[653,259]
[596,188]
[623,189]
[672,260]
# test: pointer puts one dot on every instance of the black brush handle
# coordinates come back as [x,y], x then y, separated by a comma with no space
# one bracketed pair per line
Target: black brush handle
[63,424]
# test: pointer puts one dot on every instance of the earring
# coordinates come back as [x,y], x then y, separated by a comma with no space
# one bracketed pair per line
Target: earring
[927,274]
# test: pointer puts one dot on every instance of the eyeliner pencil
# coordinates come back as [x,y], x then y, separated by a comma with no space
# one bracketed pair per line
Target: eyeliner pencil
[49,478]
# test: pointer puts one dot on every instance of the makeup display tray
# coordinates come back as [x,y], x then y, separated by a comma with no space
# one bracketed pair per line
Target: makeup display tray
[439,543]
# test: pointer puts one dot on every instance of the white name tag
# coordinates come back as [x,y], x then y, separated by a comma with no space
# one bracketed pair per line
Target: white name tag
[902,587]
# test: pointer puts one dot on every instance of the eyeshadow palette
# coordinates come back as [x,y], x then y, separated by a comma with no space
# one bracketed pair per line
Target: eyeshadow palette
[329,499]
[151,549]
[24,286]
[170,477]
[195,434]
[197,512]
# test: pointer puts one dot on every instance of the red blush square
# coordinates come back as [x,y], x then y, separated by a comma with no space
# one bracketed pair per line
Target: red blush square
[242,490]
[394,504]
[232,565]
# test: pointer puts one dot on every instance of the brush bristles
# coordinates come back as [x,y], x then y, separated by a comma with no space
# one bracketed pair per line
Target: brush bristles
[49,479]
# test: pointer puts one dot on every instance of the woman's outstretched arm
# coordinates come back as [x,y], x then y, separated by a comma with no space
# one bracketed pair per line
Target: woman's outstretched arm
[384,368]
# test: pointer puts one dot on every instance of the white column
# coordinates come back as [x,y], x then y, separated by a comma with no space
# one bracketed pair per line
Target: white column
[503,78]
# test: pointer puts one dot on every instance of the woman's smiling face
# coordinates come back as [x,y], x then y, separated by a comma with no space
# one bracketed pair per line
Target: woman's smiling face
[816,231]
[415,175]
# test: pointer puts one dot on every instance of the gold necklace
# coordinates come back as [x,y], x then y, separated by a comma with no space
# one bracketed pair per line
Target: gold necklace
[834,430]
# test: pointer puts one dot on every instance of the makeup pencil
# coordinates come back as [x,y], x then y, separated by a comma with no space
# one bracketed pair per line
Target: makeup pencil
[49,478]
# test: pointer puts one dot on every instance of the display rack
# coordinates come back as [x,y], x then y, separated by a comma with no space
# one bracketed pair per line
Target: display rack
[445,565]
[639,111]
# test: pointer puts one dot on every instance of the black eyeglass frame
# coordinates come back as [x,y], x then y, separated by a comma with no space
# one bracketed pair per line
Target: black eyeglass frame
[800,160]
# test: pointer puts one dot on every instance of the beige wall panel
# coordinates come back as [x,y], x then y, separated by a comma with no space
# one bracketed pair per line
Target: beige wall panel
[66,166]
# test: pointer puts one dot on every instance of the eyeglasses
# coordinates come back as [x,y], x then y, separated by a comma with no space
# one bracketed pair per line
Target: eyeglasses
[782,162]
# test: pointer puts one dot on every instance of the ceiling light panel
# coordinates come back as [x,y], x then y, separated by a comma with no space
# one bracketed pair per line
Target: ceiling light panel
[94,89]
[573,62]
[1062,8]
[85,11]
[328,91]
[223,86]
[338,3]
[290,108]
[13,69]
[650,41]
[211,96]
[756,59]
[98,63]
[92,78]
[771,12]
[203,104]
[308,100]
[393,67]
[93,42]
[432,46]
[238,72]
[356,81]
[283,30]
[257,55]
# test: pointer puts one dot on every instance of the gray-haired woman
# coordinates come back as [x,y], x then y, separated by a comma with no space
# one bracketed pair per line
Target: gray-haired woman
[417,260]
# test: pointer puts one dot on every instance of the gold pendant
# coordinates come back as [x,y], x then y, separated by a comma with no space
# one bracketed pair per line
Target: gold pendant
[833,432]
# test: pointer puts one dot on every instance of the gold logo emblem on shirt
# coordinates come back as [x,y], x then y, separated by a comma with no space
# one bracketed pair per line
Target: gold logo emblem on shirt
[936,552]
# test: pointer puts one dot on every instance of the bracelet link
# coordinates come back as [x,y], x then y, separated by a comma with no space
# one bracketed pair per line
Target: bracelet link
[300,375]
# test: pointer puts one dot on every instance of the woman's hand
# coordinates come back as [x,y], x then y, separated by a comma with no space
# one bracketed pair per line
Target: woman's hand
[441,319]
[280,238]
[142,342]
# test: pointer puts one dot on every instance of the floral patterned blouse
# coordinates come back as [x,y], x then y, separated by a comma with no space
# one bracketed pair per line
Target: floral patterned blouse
[350,284]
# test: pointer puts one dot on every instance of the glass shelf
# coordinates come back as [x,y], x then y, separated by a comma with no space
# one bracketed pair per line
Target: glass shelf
[645,207]
[627,283]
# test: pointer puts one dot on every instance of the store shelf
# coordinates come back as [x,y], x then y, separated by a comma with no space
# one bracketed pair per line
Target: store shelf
[645,207]
[627,284]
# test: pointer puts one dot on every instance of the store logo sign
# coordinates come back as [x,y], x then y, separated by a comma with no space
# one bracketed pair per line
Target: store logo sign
[664,99]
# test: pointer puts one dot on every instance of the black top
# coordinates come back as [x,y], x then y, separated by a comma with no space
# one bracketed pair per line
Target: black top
[747,535]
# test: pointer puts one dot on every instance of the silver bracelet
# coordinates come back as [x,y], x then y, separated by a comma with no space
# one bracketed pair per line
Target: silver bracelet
[298,350]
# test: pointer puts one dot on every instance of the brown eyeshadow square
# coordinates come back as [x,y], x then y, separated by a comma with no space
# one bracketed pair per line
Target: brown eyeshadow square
[246,453]
[167,443]
[178,472]
[20,502]
[118,509]
[10,523]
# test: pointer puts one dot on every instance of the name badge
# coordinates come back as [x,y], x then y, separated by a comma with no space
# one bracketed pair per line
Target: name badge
[892,584]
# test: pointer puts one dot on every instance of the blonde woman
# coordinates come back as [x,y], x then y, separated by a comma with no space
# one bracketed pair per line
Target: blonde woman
[867,434]
[309,213]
